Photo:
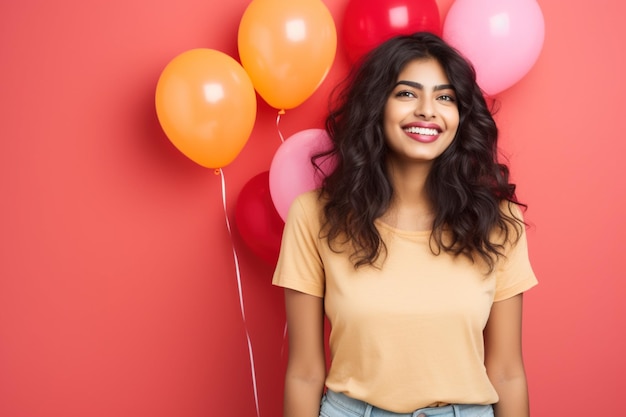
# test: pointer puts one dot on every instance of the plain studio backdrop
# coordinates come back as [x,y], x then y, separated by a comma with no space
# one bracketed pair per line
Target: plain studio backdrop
[118,288]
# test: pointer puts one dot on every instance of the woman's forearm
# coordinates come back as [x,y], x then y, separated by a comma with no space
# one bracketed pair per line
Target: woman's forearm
[306,367]
[513,395]
[302,397]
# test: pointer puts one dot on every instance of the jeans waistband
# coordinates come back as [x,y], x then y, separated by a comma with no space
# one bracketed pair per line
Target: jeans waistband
[364,409]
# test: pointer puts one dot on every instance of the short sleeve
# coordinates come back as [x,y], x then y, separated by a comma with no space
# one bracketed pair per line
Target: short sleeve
[514,273]
[299,264]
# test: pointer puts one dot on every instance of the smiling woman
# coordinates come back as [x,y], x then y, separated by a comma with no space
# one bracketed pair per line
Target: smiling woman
[413,247]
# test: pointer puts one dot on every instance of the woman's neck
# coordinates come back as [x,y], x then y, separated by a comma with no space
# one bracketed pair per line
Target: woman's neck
[411,208]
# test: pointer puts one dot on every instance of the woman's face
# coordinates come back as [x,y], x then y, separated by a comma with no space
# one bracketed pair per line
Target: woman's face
[421,116]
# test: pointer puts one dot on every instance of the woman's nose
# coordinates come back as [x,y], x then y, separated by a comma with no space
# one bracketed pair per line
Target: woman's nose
[425,109]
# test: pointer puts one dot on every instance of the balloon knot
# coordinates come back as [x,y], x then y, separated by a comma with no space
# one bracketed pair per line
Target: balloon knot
[217,171]
[281,111]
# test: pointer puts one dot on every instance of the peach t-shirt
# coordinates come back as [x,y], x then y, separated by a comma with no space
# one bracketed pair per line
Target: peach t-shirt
[409,334]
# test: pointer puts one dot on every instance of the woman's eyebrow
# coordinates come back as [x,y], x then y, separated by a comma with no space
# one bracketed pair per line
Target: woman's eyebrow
[419,86]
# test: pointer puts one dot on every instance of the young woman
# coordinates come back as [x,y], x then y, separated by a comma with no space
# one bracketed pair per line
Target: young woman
[414,248]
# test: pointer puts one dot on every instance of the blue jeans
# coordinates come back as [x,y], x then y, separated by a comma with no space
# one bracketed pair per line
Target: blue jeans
[339,405]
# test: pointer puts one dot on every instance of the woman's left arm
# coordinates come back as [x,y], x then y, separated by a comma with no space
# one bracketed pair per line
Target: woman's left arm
[503,357]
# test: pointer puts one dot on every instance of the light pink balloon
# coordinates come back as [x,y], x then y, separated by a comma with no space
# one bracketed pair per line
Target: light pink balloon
[291,171]
[502,38]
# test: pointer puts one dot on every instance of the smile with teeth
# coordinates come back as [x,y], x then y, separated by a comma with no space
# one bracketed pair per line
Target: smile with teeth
[422,131]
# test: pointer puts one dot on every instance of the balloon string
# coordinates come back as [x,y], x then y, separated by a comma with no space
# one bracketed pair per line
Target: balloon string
[282,347]
[241,303]
[282,139]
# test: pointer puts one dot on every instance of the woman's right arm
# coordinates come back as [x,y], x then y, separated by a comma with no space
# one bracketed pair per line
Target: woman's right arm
[306,368]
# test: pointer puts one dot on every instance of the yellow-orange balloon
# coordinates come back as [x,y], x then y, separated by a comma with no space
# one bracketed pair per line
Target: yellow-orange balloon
[206,105]
[287,47]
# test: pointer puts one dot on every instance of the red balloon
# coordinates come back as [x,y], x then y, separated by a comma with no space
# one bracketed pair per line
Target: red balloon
[258,222]
[368,23]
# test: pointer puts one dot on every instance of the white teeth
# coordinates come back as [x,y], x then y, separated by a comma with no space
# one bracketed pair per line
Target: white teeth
[421,131]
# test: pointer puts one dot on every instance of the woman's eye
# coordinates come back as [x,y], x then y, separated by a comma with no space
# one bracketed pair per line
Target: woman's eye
[447,97]
[405,93]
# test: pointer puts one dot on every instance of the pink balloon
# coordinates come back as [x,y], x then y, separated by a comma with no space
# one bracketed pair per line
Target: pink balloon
[502,38]
[291,171]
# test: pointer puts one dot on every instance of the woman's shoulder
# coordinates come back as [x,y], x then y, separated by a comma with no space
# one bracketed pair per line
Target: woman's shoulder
[513,215]
[309,204]
[310,200]
[512,209]
[512,226]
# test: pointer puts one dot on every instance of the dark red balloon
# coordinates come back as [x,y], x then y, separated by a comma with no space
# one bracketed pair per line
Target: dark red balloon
[257,220]
[368,23]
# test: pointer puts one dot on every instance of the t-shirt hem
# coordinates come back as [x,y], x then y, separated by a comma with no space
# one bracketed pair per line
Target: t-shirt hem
[299,286]
[516,289]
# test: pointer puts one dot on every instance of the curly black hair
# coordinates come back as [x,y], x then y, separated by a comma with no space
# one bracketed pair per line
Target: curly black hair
[467,184]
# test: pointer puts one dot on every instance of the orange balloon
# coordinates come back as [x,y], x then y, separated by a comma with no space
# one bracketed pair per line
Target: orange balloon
[206,105]
[287,47]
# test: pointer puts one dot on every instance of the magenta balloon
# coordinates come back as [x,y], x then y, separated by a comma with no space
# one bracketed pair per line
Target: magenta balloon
[502,38]
[291,171]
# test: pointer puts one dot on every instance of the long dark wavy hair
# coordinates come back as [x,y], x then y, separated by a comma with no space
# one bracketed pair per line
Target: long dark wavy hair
[466,184]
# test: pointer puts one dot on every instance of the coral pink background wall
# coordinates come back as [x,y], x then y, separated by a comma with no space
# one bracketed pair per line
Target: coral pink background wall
[118,292]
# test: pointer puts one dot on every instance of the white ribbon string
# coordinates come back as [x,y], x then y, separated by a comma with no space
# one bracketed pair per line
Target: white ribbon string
[241,303]
[282,347]
[282,139]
